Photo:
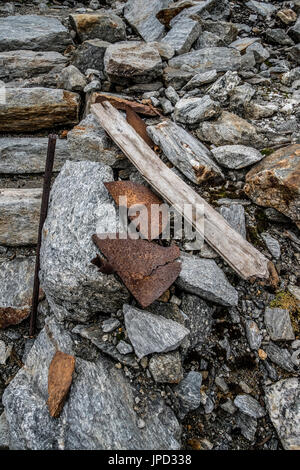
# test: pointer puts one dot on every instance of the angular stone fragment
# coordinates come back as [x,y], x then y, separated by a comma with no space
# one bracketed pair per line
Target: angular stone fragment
[274,182]
[27,109]
[150,333]
[234,214]
[228,129]
[220,59]
[194,110]
[272,245]
[89,141]
[249,406]
[4,436]
[279,324]
[262,8]
[19,216]
[16,283]
[260,53]
[282,401]
[79,205]
[287,15]
[246,424]
[21,155]
[243,43]
[183,34]
[236,156]
[188,392]
[142,17]
[165,15]
[203,277]
[253,334]
[224,87]
[90,55]
[278,36]
[132,61]
[27,64]
[166,368]
[200,79]
[280,356]
[124,348]
[99,413]
[33,32]
[59,381]
[294,31]
[225,30]
[106,26]
[70,78]
[199,320]
[166,51]
[189,155]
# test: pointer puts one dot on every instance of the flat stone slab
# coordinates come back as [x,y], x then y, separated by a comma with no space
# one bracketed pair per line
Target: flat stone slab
[19,216]
[79,207]
[183,34]
[203,277]
[234,214]
[220,59]
[98,413]
[33,32]
[282,401]
[193,110]
[142,17]
[16,283]
[278,324]
[236,156]
[27,64]
[132,61]
[25,155]
[249,405]
[151,333]
[90,55]
[106,26]
[27,109]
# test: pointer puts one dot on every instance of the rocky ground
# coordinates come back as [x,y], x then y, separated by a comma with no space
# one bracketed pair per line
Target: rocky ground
[214,363]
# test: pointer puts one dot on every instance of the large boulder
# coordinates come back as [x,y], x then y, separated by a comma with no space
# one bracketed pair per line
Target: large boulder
[105,26]
[79,207]
[132,61]
[98,414]
[274,182]
[33,32]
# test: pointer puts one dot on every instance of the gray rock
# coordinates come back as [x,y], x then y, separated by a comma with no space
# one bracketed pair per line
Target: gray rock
[236,157]
[142,17]
[282,401]
[27,64]
[132,61]
[228,129]
[189,155]
[4,440]
[106,26]
[278,36]
[99,390]
[198,9]
[7,8]
[110,325]
[224,86]
[165,50]
[124,348]
[247,425]
[150,333]
[223,29]
[70,78]
[177,78]
[182,35]
[253,334]
[172,95]
[279,324]
[21,155]
[280,356]
[89,141]
[229,407]
[20,213]
[33,32]
[203,277]
[16,283]
[37,108]
[90,54]
[166,368]
[243,43]
[262,8]
[294,31]
[234,214]
[261,54]
[295,291]
[194,110]
[240,97]
[200,79]
[259,110]
[199,320]
[208,39]
[249,406]
[188,393]
[220,59]
[295,53]
[166,106]
[79,207]
[94,334]
[5,352]
[272,244]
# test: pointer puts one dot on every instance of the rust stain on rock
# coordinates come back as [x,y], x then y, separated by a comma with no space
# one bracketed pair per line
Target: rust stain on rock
[59,381]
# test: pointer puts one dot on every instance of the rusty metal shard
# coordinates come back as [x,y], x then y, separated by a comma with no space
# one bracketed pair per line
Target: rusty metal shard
[139,125]
[146,268]
[136,195]
[59,381]
[122,104]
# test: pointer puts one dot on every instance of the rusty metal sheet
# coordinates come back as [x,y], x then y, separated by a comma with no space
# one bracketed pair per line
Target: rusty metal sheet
[122,103]
[146,268]
[139,125]
[136,195]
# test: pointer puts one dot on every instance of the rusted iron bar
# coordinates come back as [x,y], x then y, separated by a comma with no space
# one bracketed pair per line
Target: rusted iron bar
[43,215]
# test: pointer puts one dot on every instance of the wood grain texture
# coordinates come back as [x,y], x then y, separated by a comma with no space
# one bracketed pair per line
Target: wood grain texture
[246,260]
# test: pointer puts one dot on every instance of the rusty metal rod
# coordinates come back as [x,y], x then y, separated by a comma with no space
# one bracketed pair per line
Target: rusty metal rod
[43,215]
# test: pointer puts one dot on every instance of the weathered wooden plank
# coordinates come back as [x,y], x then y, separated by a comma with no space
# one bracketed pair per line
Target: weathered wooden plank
[246,260]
